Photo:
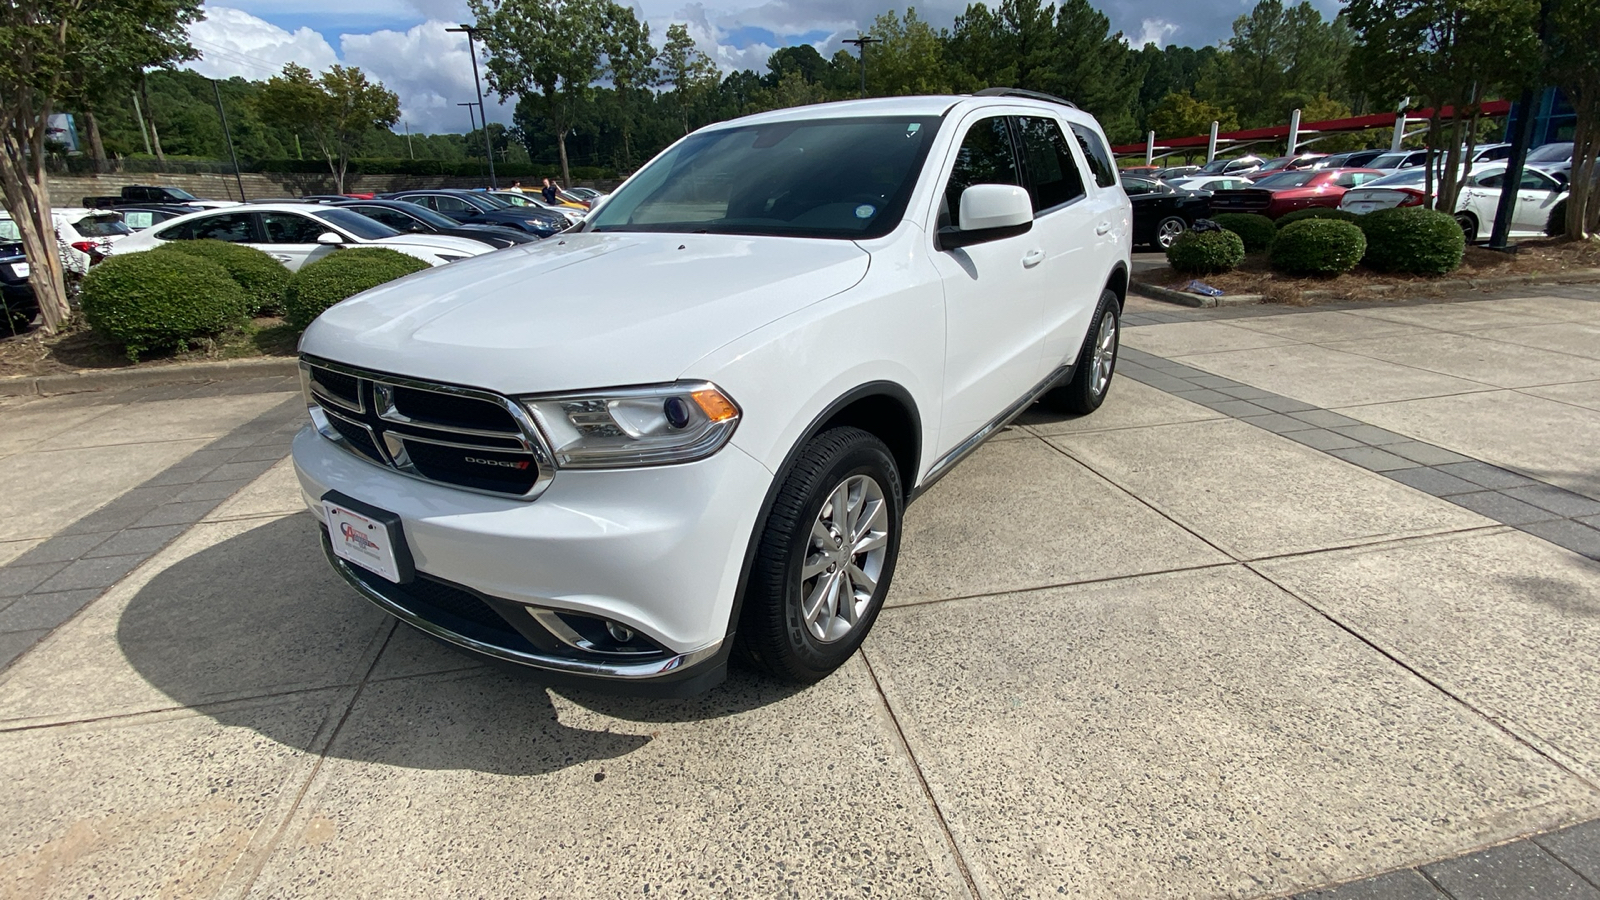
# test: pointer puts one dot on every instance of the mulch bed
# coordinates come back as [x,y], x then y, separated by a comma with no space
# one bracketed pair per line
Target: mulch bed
[1535,257]
[77,348]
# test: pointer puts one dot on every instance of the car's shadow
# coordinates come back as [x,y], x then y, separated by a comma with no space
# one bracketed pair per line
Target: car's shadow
[260,615]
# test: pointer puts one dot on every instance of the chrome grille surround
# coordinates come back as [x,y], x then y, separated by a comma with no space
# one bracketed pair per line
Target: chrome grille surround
[374,415]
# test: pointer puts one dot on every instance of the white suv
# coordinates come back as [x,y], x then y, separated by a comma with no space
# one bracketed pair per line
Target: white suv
[691,426]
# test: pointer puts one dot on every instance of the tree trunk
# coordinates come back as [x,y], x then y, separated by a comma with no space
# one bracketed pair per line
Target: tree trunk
[561,146]
[1432,148]
[1583,209]
[27,195]
[150,116]
[97,147]
[1449,180]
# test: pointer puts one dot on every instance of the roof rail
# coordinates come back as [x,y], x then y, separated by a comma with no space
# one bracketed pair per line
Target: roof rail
[1019,92]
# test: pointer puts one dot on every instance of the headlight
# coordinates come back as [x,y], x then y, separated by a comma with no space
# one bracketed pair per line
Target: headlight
[647,426]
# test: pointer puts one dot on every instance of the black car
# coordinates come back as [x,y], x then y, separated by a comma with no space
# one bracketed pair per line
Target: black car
[413,218]
[138,218]
[475,208]
[1356,159]
[17,303]
[1161,212]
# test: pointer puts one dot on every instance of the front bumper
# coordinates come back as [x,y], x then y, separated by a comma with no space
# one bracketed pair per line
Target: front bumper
[658,550]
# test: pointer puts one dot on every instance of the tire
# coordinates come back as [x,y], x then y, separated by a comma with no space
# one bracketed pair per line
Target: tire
[1097,362]
[774,631]
[1168,229]
[1469,226]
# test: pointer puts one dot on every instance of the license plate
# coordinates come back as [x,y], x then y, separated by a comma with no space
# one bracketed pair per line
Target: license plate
[365,539]
[20,270]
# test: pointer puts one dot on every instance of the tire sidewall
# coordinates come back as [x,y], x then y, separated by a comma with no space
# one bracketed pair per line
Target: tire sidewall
[868,458]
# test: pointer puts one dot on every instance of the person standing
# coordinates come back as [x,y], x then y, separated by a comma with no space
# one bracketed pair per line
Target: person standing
[515,186]
[549,192]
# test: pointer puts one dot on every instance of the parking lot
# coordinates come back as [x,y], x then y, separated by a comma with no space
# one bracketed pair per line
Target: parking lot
[1313,598]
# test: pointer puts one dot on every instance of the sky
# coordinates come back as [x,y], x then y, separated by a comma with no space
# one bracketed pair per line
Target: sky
[404,44]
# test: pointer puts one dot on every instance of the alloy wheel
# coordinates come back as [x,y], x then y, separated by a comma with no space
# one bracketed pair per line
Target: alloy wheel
[1105,353]
[844,558]
[1168,231]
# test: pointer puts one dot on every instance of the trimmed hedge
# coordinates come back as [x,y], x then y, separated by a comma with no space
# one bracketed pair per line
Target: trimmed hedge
[1256,231]
[1316,212]
[1556,226]
[262,277]
[1318,247]
[149,301]
[1206,252]
[1414,240]
[341,275]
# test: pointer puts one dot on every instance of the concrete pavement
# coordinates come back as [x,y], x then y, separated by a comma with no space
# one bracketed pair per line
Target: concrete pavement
[1310,600]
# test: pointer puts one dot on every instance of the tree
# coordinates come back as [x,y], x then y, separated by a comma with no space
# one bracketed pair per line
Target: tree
[690,72]
[549,53]
[910,60]
[1181,115]
[630,57]
[1279,58]
[1573,48]
[335,111]
[51,51]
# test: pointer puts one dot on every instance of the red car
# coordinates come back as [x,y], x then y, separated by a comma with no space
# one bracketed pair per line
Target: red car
[1285,192]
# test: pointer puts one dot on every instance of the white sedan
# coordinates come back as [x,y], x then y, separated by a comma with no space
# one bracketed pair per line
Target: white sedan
[1537,195]
[297,233]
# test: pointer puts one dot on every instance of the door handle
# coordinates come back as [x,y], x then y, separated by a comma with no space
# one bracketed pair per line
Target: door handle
[1102,228]
[1032,258]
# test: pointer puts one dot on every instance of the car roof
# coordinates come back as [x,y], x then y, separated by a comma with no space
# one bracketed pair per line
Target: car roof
[918,106]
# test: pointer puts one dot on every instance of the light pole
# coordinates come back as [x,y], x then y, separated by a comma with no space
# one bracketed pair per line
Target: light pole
[471,31]
[861,41]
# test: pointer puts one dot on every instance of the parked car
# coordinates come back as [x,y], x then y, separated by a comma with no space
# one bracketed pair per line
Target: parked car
[18,307]
[1140,171]
[524,200]
[1356,159]
[1284,192]
[145,194]
[1289,164]
[1171,173]
[1208,183]
[1402,159]
[816,311]
[1239,165]
[83,236]
[138,218]
[1162,211]
[586,194]
[1548,155]
[478,208]
[1478,202]
[297,233]
[409,218]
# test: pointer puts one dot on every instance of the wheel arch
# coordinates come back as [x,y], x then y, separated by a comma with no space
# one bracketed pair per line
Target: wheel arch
[1117,283]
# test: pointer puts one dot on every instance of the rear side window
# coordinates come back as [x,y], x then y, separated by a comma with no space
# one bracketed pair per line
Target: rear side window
[288,228]
[235,228]
[101,226]
[1052,172]
[986,157]
[1094,150]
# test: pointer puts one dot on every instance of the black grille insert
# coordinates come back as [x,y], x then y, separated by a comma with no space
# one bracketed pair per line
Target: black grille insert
[338,385]
[428,407]
[512,473]
[357,437]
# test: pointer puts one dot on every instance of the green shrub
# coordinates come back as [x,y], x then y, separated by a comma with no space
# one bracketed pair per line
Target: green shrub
[1318,247]
[1557,224]
[1315,212]
[343,274]
[1256,231]
[1413,239]
[263,278]
[1206,252]
[149,301]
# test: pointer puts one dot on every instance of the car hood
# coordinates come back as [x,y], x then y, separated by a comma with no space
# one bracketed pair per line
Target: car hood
[442,243]
[583,311]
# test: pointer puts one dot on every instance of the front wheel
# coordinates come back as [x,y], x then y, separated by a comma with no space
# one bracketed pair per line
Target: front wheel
[1097,362]
[825,559]
[1469,226]
[1169,230]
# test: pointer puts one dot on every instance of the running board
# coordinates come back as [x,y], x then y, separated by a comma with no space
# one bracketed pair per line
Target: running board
[942,466]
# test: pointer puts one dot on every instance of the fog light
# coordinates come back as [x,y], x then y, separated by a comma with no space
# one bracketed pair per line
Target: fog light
[622,634]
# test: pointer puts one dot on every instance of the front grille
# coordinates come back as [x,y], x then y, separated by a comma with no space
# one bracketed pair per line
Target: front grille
[462,437]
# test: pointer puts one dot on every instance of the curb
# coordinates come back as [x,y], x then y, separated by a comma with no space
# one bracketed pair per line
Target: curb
[1196,301]
[189,373]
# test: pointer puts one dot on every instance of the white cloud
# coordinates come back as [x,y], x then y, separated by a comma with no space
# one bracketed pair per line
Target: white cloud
[1155,31]
[431,71]
[233,42]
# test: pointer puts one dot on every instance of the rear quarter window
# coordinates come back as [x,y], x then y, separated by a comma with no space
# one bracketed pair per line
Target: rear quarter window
[1095,152]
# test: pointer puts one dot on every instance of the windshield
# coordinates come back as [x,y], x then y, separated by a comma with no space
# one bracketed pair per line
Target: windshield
[355,223]
[484,199]
[1287,179]
[1389,161]
[1560,152]
[512,199]
[416,211]
[834,178]
[180,194]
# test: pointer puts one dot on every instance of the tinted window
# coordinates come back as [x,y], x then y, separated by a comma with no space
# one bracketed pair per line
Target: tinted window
[1135,186]
[96,226]
[235,228]
[289,228]
[356,224]
[1094,150]
[985,157]
[832,178]
[395,219]
[1534,181]
[1287,179]
[1558,152]
[1052,171]
[452,205]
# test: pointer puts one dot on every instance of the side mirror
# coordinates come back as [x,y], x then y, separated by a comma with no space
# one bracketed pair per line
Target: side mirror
[989,212]
[330,239]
